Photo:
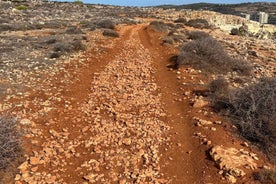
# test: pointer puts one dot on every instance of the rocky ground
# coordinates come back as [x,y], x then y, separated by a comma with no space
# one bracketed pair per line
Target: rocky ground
[97,109]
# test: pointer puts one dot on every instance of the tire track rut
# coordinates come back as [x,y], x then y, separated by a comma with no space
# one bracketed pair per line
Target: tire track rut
[112,137]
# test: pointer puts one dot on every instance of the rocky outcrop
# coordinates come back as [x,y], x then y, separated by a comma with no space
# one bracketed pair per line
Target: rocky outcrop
[232,161]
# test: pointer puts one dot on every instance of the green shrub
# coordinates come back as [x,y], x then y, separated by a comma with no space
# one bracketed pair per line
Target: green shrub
[21,7]
[78,2]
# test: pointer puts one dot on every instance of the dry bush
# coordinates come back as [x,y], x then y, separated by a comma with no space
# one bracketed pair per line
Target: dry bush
[159,26]
[10,142]
[63,47]
[253,110]
[73,30]
[195,35]
[168,40]
[198,23]
[180,20]
[208,55]
[266,176]
[110,33]
[241,31]
[219,92]
[107,24]
[77,45]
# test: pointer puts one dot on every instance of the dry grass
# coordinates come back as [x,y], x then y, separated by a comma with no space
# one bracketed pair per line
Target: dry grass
[208,55]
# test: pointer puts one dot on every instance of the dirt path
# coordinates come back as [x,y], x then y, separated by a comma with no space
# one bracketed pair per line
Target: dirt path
[117,121]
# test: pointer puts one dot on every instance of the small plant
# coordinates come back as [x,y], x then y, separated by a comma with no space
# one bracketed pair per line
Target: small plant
[180,20]
[78,2]
[168,40]
[10,141]
[73,30]
[266,176]
[198,23]
[241,31]
[159,26]
[208,54]
[110,33]
[107,24]
[21,7]
[195,35]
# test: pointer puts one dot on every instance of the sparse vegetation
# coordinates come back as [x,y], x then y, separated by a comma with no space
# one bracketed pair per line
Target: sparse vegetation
[107,24]
[266,176]
[10,143]
[74,30]
[208,54]
[21,7]
[168,40]
[159,26]
[195,35]
[111,33]
[78,2]
[198,23]
[180,20]
[241,31]
[252,110]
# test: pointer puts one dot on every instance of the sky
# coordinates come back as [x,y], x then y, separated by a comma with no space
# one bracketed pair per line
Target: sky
[162,2]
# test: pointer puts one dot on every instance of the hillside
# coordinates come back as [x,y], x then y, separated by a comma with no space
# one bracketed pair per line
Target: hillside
[232,9]
[110,94]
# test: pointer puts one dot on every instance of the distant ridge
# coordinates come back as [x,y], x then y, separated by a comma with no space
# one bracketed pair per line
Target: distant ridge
[233,9]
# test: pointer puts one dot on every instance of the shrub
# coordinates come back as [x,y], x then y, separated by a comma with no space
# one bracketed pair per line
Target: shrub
[74,30]
[180,20]
[195,35]
[54,55]
[62,47]
[168,40]
[108,24]
[111,33]
[21,7]
[208,54]
[51,41]
[78,2]
[241,31]
[75,45]
[266,176]
[198,23]
[219,91]
[10,141]
[159,26]
[235,31]
[253,110]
